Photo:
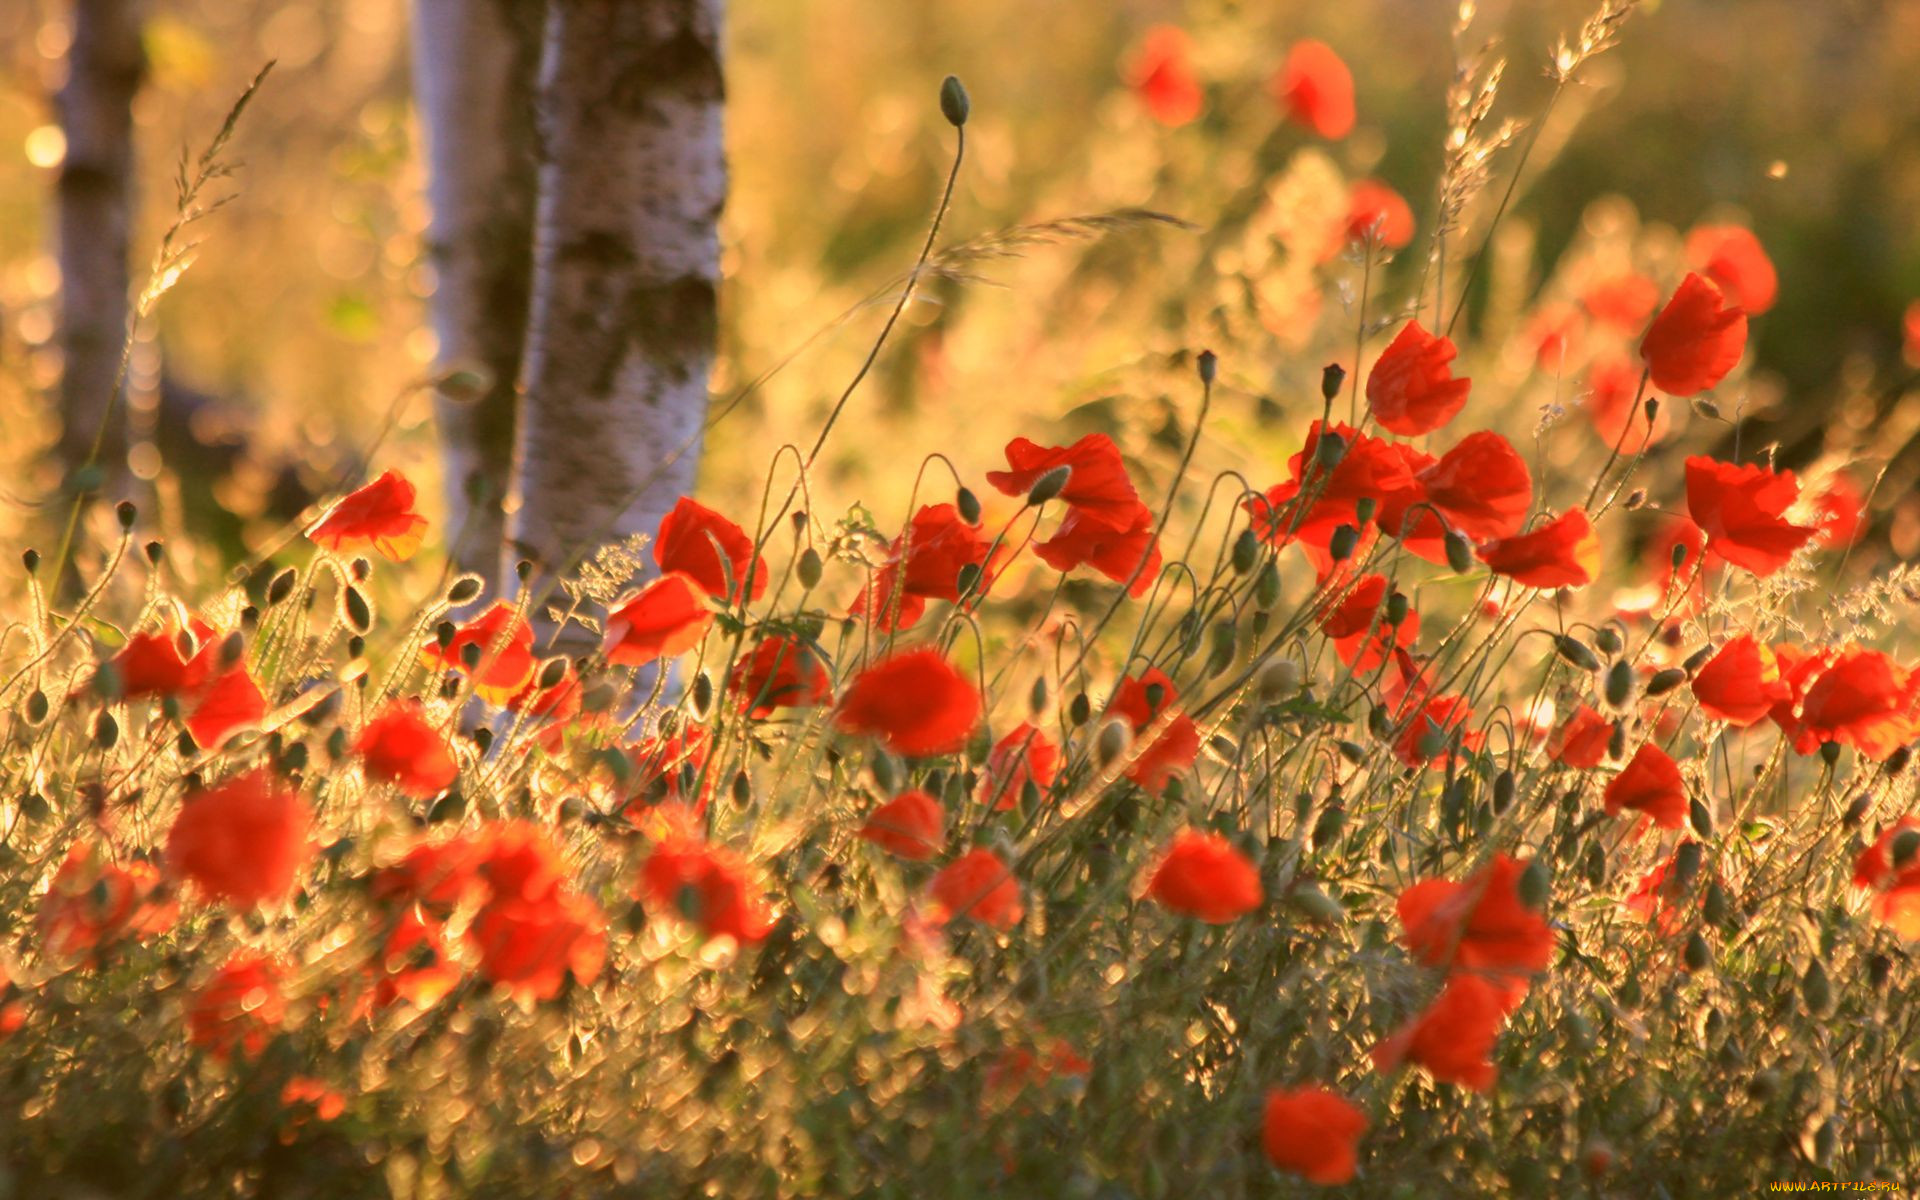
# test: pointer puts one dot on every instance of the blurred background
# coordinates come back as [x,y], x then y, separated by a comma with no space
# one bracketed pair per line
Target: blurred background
[297,332]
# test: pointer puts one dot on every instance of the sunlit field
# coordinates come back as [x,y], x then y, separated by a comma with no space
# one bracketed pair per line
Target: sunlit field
[1279,600]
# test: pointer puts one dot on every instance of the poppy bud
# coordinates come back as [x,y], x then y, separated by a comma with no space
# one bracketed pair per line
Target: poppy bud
[1619,687]
[1701,817]
[1698,659]
[1706,408]
[886,773]
[30,559]
[1459,553]
[1830,752]
[106,732]
[1686,864]
[37,707]
[1536,886]
[1354,752]
[1266,589]
[281,587]
[1606,639]
[1332,820]
[703,693]
[1651,408]
[127,513]
[741,789]
[1714,907]
[482,739]
[1156,696]
[464,589]
[1112,742]
[1246,552]
[967,505]
[1594,868]
[1878,968]
[1341,545]
[955,105]
[1379,723]
[1678,557]
[1330,449]
[1079,709]
[1635,499]
[1697,955]
[967,580]
[1503,791]
[1208,365]
[1617,741]
[1317,905]
[523,570]
[1576,652]
[1664,681]
[154,551]
[1038,697]
[358,613]
[1906,844]
[1049,485]
[1332,376]
[356,646]
[1815,989]
[1278,679]
[1897,761]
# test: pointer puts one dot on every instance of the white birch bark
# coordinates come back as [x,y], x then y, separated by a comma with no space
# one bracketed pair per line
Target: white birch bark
[475,63]
[626,269]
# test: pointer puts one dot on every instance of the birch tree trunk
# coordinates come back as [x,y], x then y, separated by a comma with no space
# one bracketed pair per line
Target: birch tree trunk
[626,268]
[104,67]
[475,64]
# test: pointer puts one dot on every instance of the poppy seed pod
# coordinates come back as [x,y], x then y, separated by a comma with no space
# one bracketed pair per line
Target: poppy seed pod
[1208,365]
[1332,377]
[955,104]
[127,512]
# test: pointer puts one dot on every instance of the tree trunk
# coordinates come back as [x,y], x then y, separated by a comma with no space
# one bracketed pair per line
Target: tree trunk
[475,64]
[104,69]
[626,268]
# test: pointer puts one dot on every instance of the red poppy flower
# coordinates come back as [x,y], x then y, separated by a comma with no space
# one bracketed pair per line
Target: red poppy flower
[1733,258]
[504,641]
[925,564]
[1480,924]
[1656,899]
[230,702]
[1898,902]
[1691,575]
[1097,486]
[238,1008]
[1026,753]
[411,964]
[1427,739]
[1361,639]
[1370,469]
[1411,390]
[1313,1132]
[1650,783]
[1741,510]
[1695,341]
[1018,1068]
[707,886]
[556,706]
[528,946]
[1375,211]
[150,664]
[978,886]
[1128,555]
[242,841]
[1565,552]
[401,747]
[379,515]
[915,702]
[1174,748]
[910,825]
[309,1096]
[1613,385]
[780,672]
[1741,683]
[435,876]
[665,619]
[1480,488]
[1622,301]
[1454,1037]
[1203,875]
[1839,512]
[1315,90]
[92,904]
[1862,699]
[662,767]
[1582,741]
[1162,76]
[700,543]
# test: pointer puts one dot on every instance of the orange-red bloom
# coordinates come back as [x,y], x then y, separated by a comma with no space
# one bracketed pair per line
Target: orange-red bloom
[1454,1037]
[911,825]
[1733,258]
[1026,753]
[1742,512]
[1613,386]
[238,1008]
[242,841]
[1898,902]
[1565,552]
[1097,485]
[1741,683]
[1428,738]
[1657,898]
[1695,341]
[1361,638]
[1162,76]
[503,639]
[1650,783]
[1204,875]
[915,702]
[1862,699]
[978,886]
[400,746]
[925,564]
[1376,211]
[1312,1131]
[1411,389]
[700,543]
[92,904]
[707,886]
[1622,301]
[665,619]
[1582,741]
[1141,702]
[780,672]
[1479,924]
[379,515]
[1839,512]
[1315,90]
[1129,555]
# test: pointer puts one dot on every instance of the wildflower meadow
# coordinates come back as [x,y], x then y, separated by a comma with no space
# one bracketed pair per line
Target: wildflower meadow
[1431,740]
